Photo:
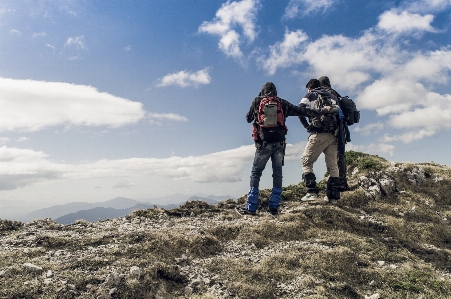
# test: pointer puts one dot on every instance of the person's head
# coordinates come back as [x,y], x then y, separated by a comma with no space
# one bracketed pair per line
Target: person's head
[312,84]
[268,89]
[324,80]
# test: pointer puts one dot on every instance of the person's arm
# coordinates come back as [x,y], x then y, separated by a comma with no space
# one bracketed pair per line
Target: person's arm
[303,110]
[304,103]
[250,116]
[304,122]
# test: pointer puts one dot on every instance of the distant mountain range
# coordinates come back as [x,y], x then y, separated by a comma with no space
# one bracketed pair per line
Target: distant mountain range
[100,213]
[116,207]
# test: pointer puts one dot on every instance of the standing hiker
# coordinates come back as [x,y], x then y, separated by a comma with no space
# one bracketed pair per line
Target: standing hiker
[351,116]
[269,112]
[323,139]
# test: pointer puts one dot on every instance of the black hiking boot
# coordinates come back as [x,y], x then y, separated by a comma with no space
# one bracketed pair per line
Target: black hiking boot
[273,211]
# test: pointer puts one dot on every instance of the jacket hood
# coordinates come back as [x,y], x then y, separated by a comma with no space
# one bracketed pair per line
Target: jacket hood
[324,80]
[268,89]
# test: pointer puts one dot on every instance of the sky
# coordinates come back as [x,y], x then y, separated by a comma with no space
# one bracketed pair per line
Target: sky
[145,99]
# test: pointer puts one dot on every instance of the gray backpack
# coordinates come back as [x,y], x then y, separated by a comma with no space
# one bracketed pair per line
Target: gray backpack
[327,122]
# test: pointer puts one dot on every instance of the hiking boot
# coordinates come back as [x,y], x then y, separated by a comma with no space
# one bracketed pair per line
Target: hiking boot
[330,200]
[309,197]
[244,211]
[273,211]
[343,188]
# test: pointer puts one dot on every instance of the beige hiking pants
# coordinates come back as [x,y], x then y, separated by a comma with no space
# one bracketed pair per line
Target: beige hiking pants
[321,143]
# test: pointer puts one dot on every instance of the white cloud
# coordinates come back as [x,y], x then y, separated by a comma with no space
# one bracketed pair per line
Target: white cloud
[389,96]
[39,34]
[304,7]
[285,53]
[4,140]
[29,105]
[233,15]
[125,184]
[434,113]
[15,31]
[423,6]
[77,41]
[157,119]
[350,59]
[399,84]
[293,152]
[128,48]
[405,22]
[26,167]
[51,47]
[186,79]
[22,139]
[6,10]
[410,136]
[373,148]
[368,129]
[22,167]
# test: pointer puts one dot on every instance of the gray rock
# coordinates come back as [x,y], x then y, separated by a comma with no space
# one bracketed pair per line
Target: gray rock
[437,178]
[135,272]
[32,268]
[387,185]
[113,279]
[374,192]
[5,273]
[416,176]
[377,184]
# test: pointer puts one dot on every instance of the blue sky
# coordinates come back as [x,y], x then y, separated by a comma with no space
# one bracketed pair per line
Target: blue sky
[143,99]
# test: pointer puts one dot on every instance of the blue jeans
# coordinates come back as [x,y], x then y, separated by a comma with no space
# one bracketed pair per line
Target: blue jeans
[275,151]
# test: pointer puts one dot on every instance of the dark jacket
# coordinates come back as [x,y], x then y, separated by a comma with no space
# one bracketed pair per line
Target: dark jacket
[344,129]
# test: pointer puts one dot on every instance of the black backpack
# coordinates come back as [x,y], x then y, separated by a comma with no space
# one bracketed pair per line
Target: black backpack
[349,109]
[327,122]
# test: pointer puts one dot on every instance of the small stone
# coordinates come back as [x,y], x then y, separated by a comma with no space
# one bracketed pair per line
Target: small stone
[47,281]
[135,272]
[32,268]
[4,273]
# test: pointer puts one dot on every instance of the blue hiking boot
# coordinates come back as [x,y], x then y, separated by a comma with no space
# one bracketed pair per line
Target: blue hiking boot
[252,200]
[274,201]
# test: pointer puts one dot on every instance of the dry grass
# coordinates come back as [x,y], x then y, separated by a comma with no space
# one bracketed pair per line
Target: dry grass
[398,247]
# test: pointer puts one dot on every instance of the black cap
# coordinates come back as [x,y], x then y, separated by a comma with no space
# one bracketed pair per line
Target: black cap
[313,83]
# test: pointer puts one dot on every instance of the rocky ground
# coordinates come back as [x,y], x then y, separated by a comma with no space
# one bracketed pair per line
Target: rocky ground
[388,237]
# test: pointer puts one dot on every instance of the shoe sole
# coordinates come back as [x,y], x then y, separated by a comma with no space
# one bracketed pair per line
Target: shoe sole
[318,201]
[244,214]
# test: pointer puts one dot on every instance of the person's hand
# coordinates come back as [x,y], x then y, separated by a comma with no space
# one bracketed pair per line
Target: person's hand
[327,107]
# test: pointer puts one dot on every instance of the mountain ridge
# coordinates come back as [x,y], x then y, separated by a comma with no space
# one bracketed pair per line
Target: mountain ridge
[387,237]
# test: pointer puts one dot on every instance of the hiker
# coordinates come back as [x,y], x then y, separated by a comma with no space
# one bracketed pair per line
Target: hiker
[269,112]
[344,134]
[322,139]
[341,157]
